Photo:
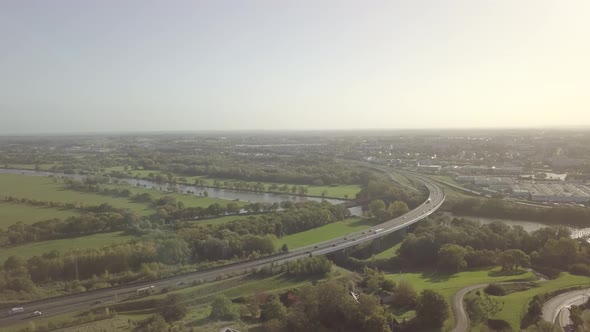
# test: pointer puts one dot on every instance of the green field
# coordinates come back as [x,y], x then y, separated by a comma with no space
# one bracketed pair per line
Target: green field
[339,191]
[84,242]
[448,285]
[386,254]
[516,304]
[11,213]
[327,232]
[50,189]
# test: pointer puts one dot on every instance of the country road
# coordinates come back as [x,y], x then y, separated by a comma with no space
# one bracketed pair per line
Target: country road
[75,302]
[461,319]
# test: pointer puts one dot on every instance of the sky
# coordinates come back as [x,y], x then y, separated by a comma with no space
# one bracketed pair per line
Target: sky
[104,66]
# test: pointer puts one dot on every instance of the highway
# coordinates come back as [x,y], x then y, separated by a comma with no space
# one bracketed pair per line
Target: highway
[64,304]
[556,309]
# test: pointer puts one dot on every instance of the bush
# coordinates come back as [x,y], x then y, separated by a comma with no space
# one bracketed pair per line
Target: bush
[499,325]
[495,290]
[580,269]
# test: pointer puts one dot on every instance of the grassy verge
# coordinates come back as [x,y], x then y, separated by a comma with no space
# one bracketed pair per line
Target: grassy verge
[327,232]
[11,213]
[84,242]
[448,285]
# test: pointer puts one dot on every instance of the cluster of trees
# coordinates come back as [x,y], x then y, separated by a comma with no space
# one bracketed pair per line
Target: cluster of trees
[150,257]
[256,235]
[381,211]
[458,243]
[498,208]
[297,170]
[329,306]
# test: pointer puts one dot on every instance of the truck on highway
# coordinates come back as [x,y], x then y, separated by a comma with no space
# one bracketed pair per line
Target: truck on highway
[378,230]
[146,290]
[16,310]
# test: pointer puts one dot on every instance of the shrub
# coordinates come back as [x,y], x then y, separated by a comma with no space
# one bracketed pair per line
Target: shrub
[495,289]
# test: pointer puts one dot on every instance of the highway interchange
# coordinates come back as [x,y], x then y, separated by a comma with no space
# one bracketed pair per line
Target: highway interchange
[69,303]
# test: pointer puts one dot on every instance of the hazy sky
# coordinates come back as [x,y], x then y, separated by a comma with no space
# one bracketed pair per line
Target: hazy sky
[72,66]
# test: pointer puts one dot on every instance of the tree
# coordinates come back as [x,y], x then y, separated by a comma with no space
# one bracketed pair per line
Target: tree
[451,258]
[273,309]
[156,324]
[173,310]
[285,248]
[397,208]
[377,209]
[388,285]
[223,308]
[511,259]
[404,295]
[232,208]
[432,309]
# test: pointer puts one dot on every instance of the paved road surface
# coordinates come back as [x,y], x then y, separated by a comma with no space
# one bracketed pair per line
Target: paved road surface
[461,319]
[555,309]
[75,302]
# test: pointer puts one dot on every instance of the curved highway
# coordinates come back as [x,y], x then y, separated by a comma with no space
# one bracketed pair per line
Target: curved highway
[74,302]
[555,310]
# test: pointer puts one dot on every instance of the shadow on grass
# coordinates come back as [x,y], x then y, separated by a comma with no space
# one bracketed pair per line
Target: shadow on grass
[506,273]
[432,276]
[283,278]
[366,222]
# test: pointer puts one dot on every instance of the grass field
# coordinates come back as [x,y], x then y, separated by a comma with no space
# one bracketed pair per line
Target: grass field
[516,304]
[84,242]
[339,191]
[327,232]
[389,252]
[49,189]
[448,285]
[11,213]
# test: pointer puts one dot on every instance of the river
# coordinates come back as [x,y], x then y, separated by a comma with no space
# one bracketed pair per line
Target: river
[529,226]
[227,194]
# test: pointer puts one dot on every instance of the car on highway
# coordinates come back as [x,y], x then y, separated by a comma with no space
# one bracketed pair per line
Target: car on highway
[98,302]
[36,313]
